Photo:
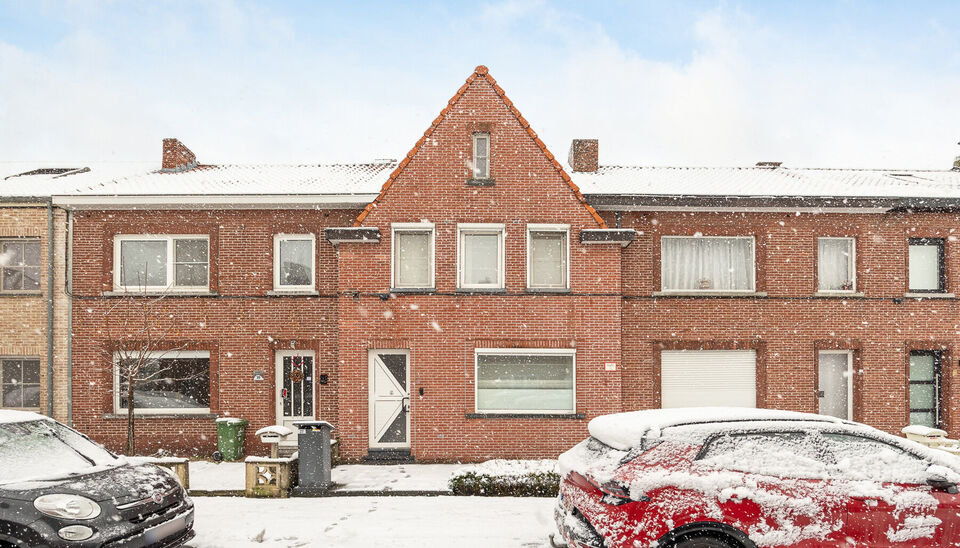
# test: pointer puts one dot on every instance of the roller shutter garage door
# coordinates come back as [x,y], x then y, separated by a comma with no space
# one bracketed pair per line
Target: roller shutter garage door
[701,378]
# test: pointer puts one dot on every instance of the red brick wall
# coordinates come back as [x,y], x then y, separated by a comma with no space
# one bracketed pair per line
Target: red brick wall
[790,323]
[527,189]
[241,326]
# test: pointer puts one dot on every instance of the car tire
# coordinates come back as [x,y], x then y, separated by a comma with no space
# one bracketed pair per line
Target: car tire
[704,540]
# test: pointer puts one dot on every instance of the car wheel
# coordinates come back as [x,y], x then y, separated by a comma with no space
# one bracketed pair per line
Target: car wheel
[704,540]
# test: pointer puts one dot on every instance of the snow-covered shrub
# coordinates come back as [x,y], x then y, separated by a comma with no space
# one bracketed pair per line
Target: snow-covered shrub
[504,478]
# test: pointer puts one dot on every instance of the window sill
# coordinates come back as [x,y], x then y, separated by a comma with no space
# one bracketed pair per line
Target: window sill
[839,294]
[416,290]
[548,290]
[745,294]
[21,293]
[171,415]
[480,290]
[480,182]
[292,293]
[159,294]
[929,295]
[575,416]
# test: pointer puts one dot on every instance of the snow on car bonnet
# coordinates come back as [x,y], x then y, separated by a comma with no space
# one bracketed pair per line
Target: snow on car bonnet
[8,416]
[625,431]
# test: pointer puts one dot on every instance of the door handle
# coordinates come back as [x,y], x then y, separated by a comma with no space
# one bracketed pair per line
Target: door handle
[821,394]
[406,403]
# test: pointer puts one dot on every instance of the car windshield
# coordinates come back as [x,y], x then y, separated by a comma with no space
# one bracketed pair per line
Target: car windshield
[45,448]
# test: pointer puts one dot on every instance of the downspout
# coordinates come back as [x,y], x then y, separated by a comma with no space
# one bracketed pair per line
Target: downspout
[69,282]
[50,272]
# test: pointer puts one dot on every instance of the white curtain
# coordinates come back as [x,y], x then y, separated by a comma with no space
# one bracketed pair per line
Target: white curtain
[924,267]
[834,264]
[708,264]
[481,259]
[412,261]
[548,259]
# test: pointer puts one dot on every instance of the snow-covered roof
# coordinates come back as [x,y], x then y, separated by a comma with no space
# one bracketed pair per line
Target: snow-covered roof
[768,181]
[42,179]
[627,430]
[8,416]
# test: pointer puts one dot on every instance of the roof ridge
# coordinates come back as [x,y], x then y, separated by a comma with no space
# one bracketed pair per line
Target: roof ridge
[783,168]
[481,71]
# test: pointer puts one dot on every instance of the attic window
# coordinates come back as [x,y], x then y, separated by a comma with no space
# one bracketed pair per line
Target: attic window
[481,155]
[45,171]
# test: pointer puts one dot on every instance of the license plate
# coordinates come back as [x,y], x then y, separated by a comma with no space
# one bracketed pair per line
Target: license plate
[168,529]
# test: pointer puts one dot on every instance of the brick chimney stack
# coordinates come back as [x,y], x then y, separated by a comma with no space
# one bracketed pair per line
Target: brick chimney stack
[584,155]
[177,157]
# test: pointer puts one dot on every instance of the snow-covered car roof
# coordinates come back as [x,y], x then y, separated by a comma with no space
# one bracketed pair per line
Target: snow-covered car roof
[625,431]
[8,416]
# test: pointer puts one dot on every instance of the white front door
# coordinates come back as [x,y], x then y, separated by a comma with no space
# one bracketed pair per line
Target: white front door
[834,383]
[295,389]
[706,378]
[389,422]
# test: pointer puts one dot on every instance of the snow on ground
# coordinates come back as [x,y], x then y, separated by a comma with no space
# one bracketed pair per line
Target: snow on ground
[393,477]
[210,476]
[364,522]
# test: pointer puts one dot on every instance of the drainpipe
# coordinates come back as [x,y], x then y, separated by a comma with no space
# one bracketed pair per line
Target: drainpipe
[619,215]
[69,281]
[50,271]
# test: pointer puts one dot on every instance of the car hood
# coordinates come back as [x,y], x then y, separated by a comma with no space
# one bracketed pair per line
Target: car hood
[122,483]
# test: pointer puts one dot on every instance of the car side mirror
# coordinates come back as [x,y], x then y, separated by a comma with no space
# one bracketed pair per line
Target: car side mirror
[942,484]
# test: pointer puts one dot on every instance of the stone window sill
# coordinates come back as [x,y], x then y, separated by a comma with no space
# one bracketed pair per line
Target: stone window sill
[526,416]
[839,294]
[929,295]
[548,290]
[743,294]
[414,290]
[281,293]
[21,293]
[159,294]
[480,182]
[141,416]
[480,290]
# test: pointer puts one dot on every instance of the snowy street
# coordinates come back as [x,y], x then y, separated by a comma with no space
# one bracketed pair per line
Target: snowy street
[366,522]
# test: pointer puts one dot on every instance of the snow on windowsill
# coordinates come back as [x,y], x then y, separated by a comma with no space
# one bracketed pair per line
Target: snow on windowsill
[839,294]
[171,415]
[159,294]
[292,293]
[709,293]
[929,295]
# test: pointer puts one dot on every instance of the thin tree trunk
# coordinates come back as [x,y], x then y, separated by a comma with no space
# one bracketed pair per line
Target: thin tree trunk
[131,439]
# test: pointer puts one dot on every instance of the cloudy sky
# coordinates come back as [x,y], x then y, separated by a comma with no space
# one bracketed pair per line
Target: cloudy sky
[832,84]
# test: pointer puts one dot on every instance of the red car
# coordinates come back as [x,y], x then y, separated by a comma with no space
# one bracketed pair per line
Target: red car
[731,477]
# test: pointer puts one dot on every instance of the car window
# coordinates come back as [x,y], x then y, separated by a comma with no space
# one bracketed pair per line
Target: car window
[45,449]
[781,454]
[863,458]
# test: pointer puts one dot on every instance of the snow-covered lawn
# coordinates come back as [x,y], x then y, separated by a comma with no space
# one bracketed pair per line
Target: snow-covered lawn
[369,522]
[393,477]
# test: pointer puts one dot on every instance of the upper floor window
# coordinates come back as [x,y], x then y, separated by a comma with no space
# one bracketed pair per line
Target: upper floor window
[160,262]
[707,263]
[548,256]
[836,264]
[293,260]
[20,383]
[412,255]
[926,266]
[20,261]
[481,256]
[481,155]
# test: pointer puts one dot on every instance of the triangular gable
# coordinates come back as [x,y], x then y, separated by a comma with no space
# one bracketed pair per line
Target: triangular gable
[480,72]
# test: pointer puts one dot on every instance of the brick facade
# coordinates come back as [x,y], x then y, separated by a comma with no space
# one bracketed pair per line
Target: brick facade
[612,312]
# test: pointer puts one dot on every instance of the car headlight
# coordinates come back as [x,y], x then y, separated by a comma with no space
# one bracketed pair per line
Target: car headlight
[67,506]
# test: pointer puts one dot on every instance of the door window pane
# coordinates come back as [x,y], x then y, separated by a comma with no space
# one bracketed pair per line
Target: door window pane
[525,383]
[296,262]
[834,384]
[925,265]
[925,381]
[143,263]
[20,262]
[168,382]
[480,265]
[548,259]
[835,264]
[413,262]
[20,383]
[707,264]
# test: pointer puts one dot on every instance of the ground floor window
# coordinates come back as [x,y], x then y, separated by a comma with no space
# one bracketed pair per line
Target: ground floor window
[20,383]
[163,382]
[925,379]
[525,381]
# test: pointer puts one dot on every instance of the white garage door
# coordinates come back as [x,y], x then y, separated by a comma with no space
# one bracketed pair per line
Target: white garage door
[701,378]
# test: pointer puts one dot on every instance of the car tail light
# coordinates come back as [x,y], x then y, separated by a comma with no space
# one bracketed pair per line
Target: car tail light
[616,494]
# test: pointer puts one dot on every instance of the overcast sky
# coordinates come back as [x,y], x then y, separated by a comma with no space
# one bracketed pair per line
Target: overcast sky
[831,84]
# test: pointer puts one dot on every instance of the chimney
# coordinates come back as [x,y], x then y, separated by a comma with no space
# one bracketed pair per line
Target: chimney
[177,157]
[584,155]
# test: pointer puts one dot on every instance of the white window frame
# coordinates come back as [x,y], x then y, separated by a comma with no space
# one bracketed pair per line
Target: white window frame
[277,238]
[572,352]
[474,174]
[850,377]
[413,227]
[481,228]
[565,229]
[852,266]
[161,354]
[171,263]
[753,271]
